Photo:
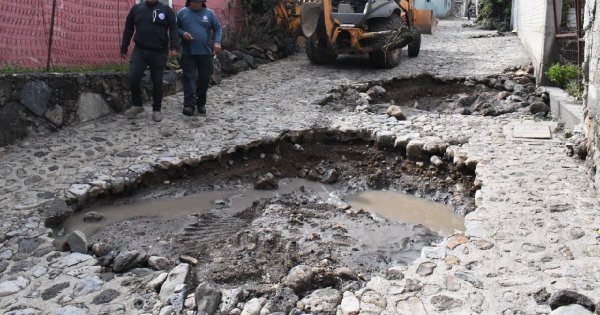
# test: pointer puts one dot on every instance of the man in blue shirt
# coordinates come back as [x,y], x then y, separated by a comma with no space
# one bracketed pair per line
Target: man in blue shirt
[194,25]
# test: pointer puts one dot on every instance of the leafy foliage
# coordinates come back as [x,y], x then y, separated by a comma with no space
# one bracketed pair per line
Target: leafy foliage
[494,14]
[567,77]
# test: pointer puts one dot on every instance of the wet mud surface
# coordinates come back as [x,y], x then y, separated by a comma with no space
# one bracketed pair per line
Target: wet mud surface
[260,244]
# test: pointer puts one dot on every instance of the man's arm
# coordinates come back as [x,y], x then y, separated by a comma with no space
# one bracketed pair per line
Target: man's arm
[128,31]
[173,30]
[218,34]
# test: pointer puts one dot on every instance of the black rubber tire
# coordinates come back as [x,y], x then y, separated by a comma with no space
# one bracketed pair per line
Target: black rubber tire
[380,58]
[414,47]
[317,53]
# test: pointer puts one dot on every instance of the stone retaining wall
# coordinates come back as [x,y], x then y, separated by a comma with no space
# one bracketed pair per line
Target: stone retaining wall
[38,103]
[591,67]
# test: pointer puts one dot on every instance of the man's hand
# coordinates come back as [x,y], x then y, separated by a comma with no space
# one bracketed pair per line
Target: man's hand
[217,48]
[172,53]
[124,56]
[187,36]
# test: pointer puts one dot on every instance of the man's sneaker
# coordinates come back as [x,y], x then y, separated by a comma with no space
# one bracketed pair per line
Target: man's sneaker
[188,111]
[133,111]
[201,111]
[157,116]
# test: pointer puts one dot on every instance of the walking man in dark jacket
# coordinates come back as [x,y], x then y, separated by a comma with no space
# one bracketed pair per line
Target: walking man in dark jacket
[195,23]
[154,26]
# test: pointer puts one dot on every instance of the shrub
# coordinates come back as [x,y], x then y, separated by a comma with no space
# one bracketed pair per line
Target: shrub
[566,77]
[494,14]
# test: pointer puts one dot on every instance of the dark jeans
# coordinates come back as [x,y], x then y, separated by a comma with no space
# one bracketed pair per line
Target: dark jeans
[197,70]
[141,59]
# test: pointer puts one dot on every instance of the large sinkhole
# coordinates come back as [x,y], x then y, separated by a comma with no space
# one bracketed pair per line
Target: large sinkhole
[514,91]
[349,209]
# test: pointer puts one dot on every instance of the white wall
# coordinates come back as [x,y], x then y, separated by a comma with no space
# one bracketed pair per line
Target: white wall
[535,25]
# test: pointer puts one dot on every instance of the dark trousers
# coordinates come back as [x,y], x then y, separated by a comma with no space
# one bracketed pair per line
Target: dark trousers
[197,70]
[141,59]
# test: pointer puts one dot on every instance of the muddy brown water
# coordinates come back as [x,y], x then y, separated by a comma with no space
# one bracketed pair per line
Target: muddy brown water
[406,208]
[229,201]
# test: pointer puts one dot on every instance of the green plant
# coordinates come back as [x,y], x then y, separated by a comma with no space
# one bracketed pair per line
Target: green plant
[566,77]
[494,14]
[561,74]
[114,67]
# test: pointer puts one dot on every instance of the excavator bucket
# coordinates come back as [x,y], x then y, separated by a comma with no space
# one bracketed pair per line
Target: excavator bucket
[310,14]
[424,21]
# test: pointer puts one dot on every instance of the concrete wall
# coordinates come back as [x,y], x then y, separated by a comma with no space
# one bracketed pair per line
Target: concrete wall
[440,8]
[591,68]
[534,22]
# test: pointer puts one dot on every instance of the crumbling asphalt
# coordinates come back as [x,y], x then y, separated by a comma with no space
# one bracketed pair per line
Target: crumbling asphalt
[532,234]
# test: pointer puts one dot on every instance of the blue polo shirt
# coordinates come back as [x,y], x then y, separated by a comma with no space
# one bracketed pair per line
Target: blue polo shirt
[199,24]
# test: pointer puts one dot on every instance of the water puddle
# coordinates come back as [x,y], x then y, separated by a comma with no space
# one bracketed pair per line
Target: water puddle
[406,208]
[228,201]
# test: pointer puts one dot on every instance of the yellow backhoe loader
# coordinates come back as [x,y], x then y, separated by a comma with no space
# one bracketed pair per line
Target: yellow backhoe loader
[380,28]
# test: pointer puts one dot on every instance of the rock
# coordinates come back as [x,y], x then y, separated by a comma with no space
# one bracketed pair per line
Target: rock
[346,273]
[55,115]
[573,309]
[567,297]
[434,145]
[159,263]
[252,307]
[533,248]
[101,249]
[470,279]
[414,149]
[93,216]
[539,107]
[299,278]
[592,250]
[178,297]
[91,106]
[229,299]
[71,260]
[76,309]
[80,192]
[207,299]
[457,240]
[178,275]
[541,296]
[452,283]
[53,291]
[425,269]
[350,304]
[443,303]
[435,160]
[55,212]
[433,252]
[410,306]
[483,244]
[576,233]
[106,296]
[266,182]
[158,281]
[125,261]
[283,301]
[322,301]
[503,95]
[35,96]
[87,285]
[188,260]
[331,176]
[385,139]
[395,273]
[77,242]
[396,112]
[167,310]
[376,91]
[24,311]
[113,309]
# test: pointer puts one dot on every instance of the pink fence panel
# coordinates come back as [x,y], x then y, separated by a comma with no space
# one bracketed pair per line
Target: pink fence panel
[86,32]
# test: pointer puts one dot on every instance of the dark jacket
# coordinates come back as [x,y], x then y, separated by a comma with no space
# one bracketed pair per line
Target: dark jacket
[154,27]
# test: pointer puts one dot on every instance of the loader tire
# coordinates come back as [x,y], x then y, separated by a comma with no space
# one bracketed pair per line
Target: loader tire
[317,53]
[415,45]
[390,58]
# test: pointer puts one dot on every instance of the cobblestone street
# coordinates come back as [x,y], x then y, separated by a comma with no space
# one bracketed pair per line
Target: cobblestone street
[533,231]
